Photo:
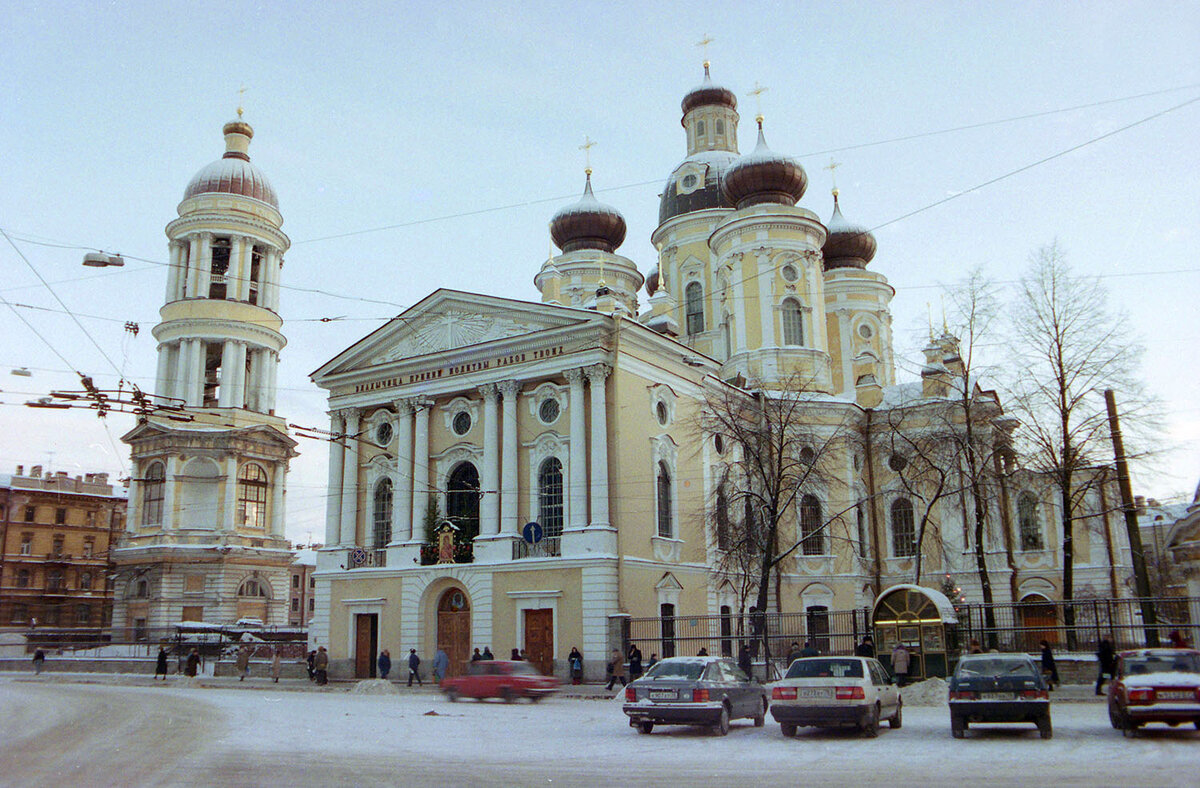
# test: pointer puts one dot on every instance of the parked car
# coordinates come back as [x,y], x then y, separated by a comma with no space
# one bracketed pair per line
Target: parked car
[497,678]
[998,688]
[828,692]
[694,691]
[1155,685]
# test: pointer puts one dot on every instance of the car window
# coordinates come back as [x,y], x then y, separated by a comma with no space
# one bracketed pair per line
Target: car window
[477,669]
[996,666]
[1162,663]
[671,669]
[825,668]
[733,673]
[877,675]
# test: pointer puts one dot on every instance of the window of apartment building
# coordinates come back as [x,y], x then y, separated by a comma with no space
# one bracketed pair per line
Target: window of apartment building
[83,614]
[20,614]
[60,516]
[85,581]
[89,517]
[295,605]
[58,545]
[89,547]
[26,544]
[252,496]
[142,589]
[50,615]
[312,582]
[30,513]
[193,584]
[295,581]
[54,580]
[23,578]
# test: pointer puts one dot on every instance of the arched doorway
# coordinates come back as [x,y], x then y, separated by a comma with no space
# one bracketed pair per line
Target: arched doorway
[1039,621]
[462,502]
[454,628]
[924,620]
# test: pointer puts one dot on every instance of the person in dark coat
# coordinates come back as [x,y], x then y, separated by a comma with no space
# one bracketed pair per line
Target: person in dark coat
[810,649]
[312,656]
[39,660]
[635,662]
[476,657]
[414,665]
[1049,668]
[653,660]
[745,661]
[575,663]
[321,666]
[1177,639]
[193,663]
[866,648]
[516,655]
[385,663]
[1106,656]
[793,653]
[160,667]
[487,652]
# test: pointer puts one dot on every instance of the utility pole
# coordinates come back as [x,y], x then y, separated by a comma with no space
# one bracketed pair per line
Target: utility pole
[1141,579]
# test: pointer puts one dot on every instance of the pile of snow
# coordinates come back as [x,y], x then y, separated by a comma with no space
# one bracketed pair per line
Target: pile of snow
[930,692]
[375,687]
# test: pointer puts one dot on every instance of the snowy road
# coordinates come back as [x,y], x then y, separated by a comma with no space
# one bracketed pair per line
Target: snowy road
[54,733]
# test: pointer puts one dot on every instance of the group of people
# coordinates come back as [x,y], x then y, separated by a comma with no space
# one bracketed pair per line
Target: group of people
[616,666]
[441,665]
[318,666]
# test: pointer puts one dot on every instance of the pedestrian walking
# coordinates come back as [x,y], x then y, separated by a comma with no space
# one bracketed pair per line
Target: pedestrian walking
[1177,639]
[575,663]
[487,652]
[276,665]
[192,664]
[635,662]
[653,661]
[160,665]
[616,669]
[39,660]
[1106,656]
[243,663]
[321,666]
[900,663]
[794,653]
[745,661]
[441,665]
[385,663]
[1049,667]
[810,649]
[414,667]
[866,648]
[310,659]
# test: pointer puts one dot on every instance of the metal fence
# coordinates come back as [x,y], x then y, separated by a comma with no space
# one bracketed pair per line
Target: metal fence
[211,641]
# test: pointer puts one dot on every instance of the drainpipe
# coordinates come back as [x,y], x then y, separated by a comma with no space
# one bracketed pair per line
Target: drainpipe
[869,459]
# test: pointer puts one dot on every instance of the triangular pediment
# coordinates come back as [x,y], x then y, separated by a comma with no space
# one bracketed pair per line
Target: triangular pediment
[448,321]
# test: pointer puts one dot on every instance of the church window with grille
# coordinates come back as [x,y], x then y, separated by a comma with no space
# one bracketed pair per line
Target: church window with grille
[153,488]
[252,496]
[694,297]
[383,514]
[723,535]
[793,322]
[550,497]
[1030,522]
[904,536]
[810,526]
[462,500]
[665,526]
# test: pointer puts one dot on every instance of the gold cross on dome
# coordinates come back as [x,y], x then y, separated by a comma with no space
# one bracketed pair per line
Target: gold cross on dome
[832,167]
[586,147]
[241,96]
[703,44]
[757,93]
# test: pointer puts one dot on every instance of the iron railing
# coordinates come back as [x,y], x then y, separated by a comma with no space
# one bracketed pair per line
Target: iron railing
[548,547]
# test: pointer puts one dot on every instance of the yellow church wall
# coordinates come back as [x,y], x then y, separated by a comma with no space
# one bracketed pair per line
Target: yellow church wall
[507,618]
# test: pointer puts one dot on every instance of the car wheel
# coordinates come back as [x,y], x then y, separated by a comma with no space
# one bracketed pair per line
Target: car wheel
[506,695]
[870,726]
[1114,718]
[645,727]
[1128,727]
[1044,726]
[958,726]
[452,695]
[760,719]
[898,718]
[788,728]
[722,726]
[534,698]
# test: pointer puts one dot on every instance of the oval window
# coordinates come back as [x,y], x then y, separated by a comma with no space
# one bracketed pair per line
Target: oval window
[661,411]
[383,433]
[865,331]
[689,181]
[789,273]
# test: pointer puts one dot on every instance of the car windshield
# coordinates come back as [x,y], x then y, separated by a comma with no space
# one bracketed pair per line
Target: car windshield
[996,666]
[825,668]
[670,669]
[1162,663]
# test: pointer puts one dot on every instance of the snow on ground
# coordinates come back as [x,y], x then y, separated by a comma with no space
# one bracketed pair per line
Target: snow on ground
[52,731]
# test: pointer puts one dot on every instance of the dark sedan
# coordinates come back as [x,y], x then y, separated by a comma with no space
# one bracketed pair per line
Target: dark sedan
[998,688]
[694,691]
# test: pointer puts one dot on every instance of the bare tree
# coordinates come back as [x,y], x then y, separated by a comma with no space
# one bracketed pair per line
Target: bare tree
[1071,348]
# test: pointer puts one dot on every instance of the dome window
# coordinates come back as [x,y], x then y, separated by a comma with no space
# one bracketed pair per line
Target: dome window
[699,128]
[383,433]
[662,413]
[719,125]
[793,322]
[789,273]
[865,331]
[219,268]
[689,181]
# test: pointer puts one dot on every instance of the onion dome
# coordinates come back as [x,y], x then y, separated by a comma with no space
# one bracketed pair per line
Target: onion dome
[652,282]
[695,185]
[588,224]
[763,176]
[233,173]
[847,245]
[707,95]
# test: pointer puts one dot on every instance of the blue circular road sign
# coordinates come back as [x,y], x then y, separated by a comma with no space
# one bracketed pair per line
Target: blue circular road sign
[532,532]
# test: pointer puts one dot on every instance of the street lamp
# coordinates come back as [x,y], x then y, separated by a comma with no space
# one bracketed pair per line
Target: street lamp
[102,260]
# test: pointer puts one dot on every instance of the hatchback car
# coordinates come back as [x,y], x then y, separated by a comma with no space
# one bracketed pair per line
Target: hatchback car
[827,692]
[1155,685]
[998,688]
[694,691]
[497,678]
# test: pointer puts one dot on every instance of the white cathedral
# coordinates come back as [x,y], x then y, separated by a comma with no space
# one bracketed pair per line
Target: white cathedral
[471,425]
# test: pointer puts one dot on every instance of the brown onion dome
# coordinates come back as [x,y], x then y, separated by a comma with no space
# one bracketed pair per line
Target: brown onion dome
[847,245]
[588,224]
[233,173]
[763,176]
[707,95]
[652,282]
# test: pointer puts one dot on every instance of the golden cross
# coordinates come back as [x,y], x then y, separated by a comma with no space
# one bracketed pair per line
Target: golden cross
[832,166]
[703,44]
[586,147]
[241,95]
[757,93]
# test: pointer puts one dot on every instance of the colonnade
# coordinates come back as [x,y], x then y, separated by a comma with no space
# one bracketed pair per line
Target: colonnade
[247,376]
[498,512]
[190,274]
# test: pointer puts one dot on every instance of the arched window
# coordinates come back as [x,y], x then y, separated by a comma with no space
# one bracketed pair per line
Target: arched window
[664,501]
[699,128]
[85,581]
[54,580]
[550,497]
[810,526]
[142,590]
[693,295]
[252,496]
[383,514]
[1030,522]
[723,535]
[904,535]
[253,588]
[793,322]
[719,126]
[153,488]
[462,499]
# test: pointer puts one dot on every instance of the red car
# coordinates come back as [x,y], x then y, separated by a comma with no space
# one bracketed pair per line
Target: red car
[496,678]
[1155,685]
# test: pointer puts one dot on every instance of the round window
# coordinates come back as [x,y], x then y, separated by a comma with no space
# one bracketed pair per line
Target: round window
[462,423]
[719,443]
[383,433]
[789,273]
[548,412]
[897,462]
[689,181]
[865,331]
[660,410]
[807,455]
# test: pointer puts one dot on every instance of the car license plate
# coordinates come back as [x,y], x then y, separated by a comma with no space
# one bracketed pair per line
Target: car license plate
[1175,695]
[996,696]
[815,693]
[662,694]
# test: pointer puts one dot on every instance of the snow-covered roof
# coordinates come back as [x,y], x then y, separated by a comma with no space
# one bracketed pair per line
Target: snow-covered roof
[943,604]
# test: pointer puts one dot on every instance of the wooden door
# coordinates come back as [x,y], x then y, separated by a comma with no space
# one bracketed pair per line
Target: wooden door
[366,633]
[454,629]
[539,639]
[1041,623]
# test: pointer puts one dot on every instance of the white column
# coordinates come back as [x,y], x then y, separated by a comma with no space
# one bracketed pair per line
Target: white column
[229,521]
[765,304]
[133,509]
[599,440]
[402,506]
[164,370]
[252,379]
[490,520]
[204,268]
[739,302]
[193,380]
[238,397]
[350,479]
[272,279]
[510,389]
[192,270]
[265,277]
[225,394]
[183,372]
[279,481]
[269,387]
[175,255]
[169,483]
[578,450]
[333,504]
[420,468]
[233,278]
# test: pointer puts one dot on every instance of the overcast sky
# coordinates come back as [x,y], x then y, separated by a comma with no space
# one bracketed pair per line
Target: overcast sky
[414,149]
